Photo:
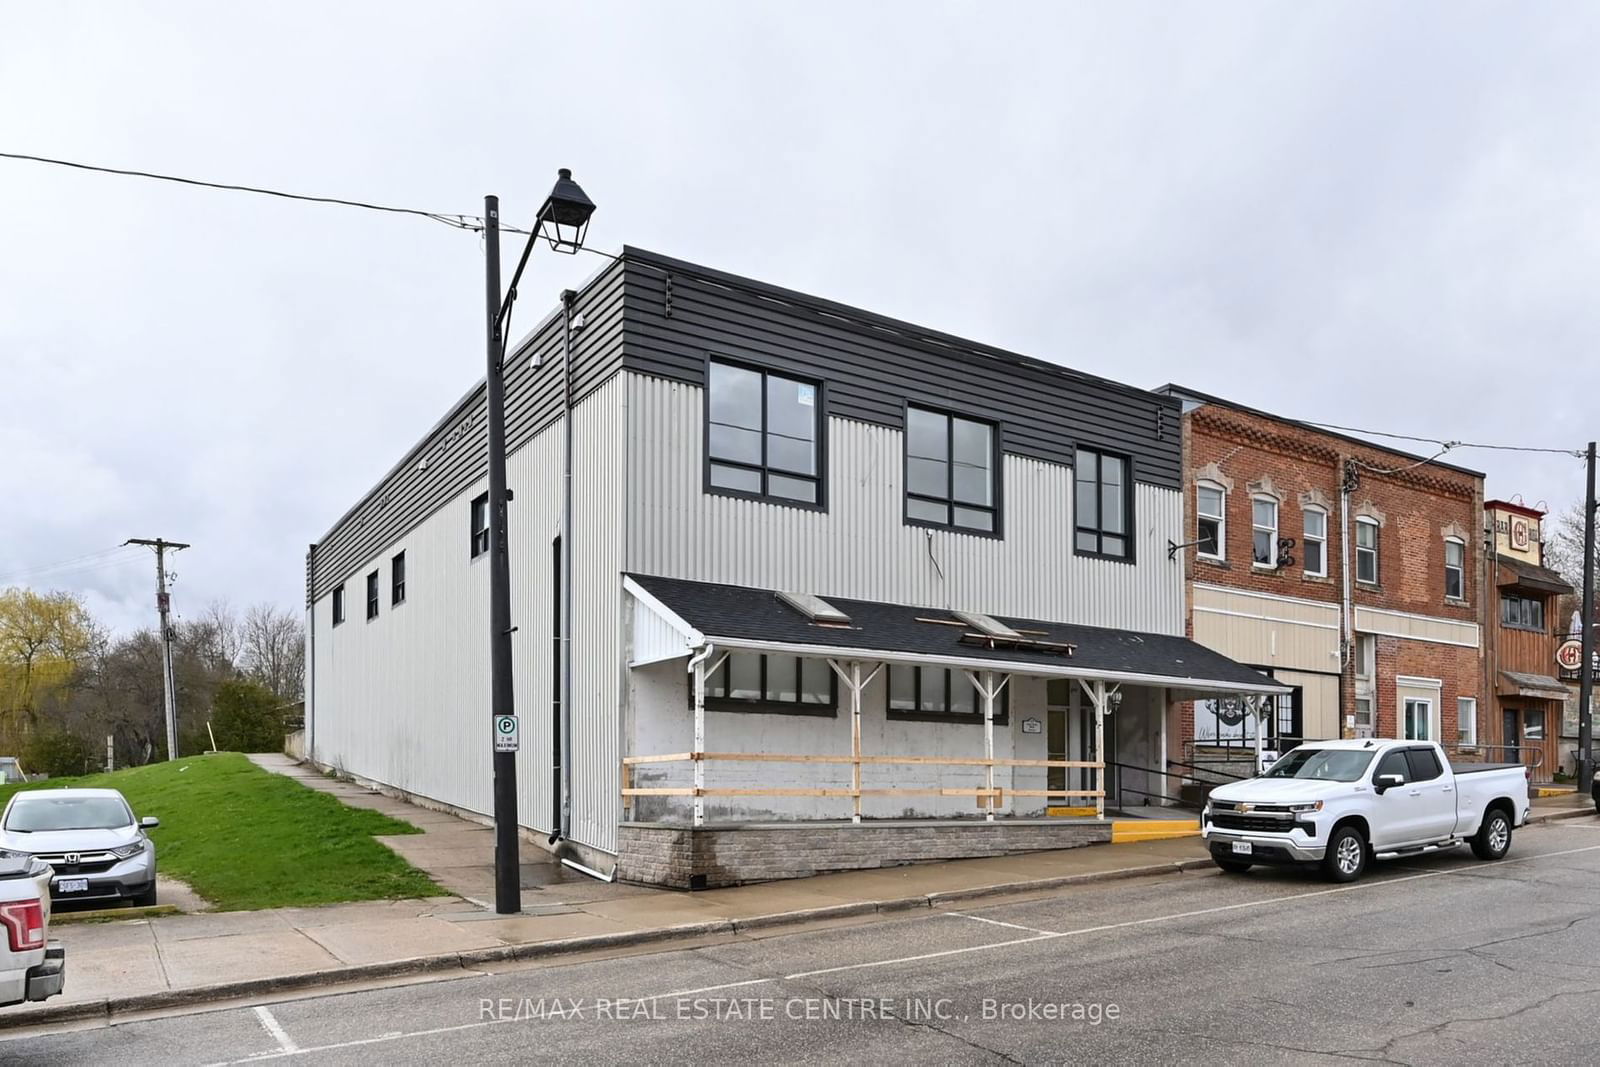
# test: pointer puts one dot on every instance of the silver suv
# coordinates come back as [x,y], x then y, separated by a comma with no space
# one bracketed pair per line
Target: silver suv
[95,847]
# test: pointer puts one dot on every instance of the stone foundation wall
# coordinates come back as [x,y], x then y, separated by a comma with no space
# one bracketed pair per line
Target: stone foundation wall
[682,857]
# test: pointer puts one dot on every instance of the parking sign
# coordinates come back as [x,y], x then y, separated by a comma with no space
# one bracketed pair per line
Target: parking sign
[505,733]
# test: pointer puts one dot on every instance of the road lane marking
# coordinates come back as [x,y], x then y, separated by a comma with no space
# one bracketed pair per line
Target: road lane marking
[271,1026]
[996,922]
[435,1031]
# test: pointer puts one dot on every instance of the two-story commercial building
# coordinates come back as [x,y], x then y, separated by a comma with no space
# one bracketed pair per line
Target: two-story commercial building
[1349,571]
[1526,721]
[844,591]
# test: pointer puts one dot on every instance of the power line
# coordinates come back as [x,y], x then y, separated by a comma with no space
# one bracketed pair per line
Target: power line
[461,222]
[91,561]
[1446,446]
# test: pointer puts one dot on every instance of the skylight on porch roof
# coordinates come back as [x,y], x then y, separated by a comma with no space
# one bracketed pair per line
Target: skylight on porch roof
[986,624]
[815,608]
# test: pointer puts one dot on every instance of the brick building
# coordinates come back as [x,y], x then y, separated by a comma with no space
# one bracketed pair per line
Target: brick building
[1350,571]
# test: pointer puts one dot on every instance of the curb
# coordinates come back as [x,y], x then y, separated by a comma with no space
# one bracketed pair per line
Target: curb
[108,1007]
[1568,813]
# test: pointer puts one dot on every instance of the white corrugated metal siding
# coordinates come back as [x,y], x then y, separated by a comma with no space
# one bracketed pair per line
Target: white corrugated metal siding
[861,547]
[404,699]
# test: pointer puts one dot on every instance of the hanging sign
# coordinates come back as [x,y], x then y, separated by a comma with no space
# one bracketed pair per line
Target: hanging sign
[1569,657]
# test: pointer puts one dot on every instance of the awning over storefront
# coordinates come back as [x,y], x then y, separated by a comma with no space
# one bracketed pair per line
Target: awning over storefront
[1534,686]
[1522,575]
[681,617]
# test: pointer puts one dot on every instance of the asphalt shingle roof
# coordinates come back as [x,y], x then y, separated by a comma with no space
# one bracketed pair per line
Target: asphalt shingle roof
[744,613]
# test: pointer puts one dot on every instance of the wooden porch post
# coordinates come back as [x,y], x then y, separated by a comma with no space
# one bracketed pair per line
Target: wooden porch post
[857,685]
[988,741]
[699,740]
[1255,705]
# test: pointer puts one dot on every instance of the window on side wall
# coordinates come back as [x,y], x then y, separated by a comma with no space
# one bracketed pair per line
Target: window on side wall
[1522,612]
[397,579]
[763,435]
[1467,722]
[1367,550]
[1211,520]
[479,522]
[951,471]
[935,694]
[338,605]
[372,596]
[1455,568]
[1104,505]
[1315,542]
[795,685]
[1264,531]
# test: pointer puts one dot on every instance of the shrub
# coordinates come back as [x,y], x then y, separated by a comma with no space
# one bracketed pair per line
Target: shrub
[246,717]
[58,753]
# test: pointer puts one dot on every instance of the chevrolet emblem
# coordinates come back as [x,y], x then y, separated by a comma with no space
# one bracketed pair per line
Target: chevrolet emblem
[1245,807]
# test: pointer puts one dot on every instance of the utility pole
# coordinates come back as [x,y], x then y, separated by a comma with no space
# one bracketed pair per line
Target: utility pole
[164,607]
[1586,671]
[502,698]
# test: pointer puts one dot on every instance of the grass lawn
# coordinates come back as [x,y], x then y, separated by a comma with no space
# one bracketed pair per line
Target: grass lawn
[245,838]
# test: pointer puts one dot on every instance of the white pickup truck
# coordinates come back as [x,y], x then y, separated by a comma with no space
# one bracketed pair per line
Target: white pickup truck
[32,967]
[1341,803]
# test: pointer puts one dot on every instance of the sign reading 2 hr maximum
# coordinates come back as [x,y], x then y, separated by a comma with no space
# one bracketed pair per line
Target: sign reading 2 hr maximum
[505,733]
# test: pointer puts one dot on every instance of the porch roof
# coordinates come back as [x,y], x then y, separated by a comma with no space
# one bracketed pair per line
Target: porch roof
[1538,686]
[685,616]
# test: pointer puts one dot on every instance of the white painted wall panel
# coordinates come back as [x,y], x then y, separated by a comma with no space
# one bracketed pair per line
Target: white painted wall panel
[861,547]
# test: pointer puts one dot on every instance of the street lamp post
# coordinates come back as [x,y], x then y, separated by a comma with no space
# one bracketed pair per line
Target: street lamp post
[563,220]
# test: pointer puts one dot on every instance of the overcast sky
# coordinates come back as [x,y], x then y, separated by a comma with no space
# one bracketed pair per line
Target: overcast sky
[1380,215]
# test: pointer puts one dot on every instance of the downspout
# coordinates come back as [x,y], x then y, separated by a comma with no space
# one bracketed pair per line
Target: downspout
[1347,621]
[310,684]
[568,550]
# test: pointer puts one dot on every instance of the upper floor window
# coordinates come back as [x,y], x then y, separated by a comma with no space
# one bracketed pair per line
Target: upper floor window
[950,471]
[1366,656]
[1315,542]
[1104,505]
[1211,520]
[762,435]
[480,525]
[338,605]
[1455,568]
[372,596]
[750,681]
[936,692]
[397,579]
[1366,550]
[1521,612]
[1264,531]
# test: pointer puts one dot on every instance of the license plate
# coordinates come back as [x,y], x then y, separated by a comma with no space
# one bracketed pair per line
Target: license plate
[1242,848]
[73,885]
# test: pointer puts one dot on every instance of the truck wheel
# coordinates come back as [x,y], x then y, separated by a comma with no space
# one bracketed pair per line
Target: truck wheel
[1231,866]
[1346,858]
[1493,838]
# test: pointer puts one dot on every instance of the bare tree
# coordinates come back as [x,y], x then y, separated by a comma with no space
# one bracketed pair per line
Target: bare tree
[219,638]
[273,650]
[1564,552]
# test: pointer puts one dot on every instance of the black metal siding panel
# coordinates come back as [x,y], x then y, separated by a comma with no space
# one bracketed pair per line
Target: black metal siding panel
[873,365]
[456,449]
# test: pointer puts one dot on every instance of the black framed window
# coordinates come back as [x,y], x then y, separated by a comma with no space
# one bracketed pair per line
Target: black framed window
[1104,505]
[480,525]
[763,435]
[794,685]
[939,694]
[372,596]
[952,471]
[397,579]
[1522,612]
[338,605]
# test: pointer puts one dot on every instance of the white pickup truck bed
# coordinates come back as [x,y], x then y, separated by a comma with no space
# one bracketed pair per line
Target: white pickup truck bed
[31,966]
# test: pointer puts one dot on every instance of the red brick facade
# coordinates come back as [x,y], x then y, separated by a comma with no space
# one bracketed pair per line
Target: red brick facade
[1416,508]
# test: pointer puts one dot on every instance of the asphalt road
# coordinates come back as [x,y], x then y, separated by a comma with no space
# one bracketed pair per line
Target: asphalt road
[1436,960]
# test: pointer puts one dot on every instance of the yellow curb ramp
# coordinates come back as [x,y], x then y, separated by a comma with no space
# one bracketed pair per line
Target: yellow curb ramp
[1124,831]
[1553,791]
